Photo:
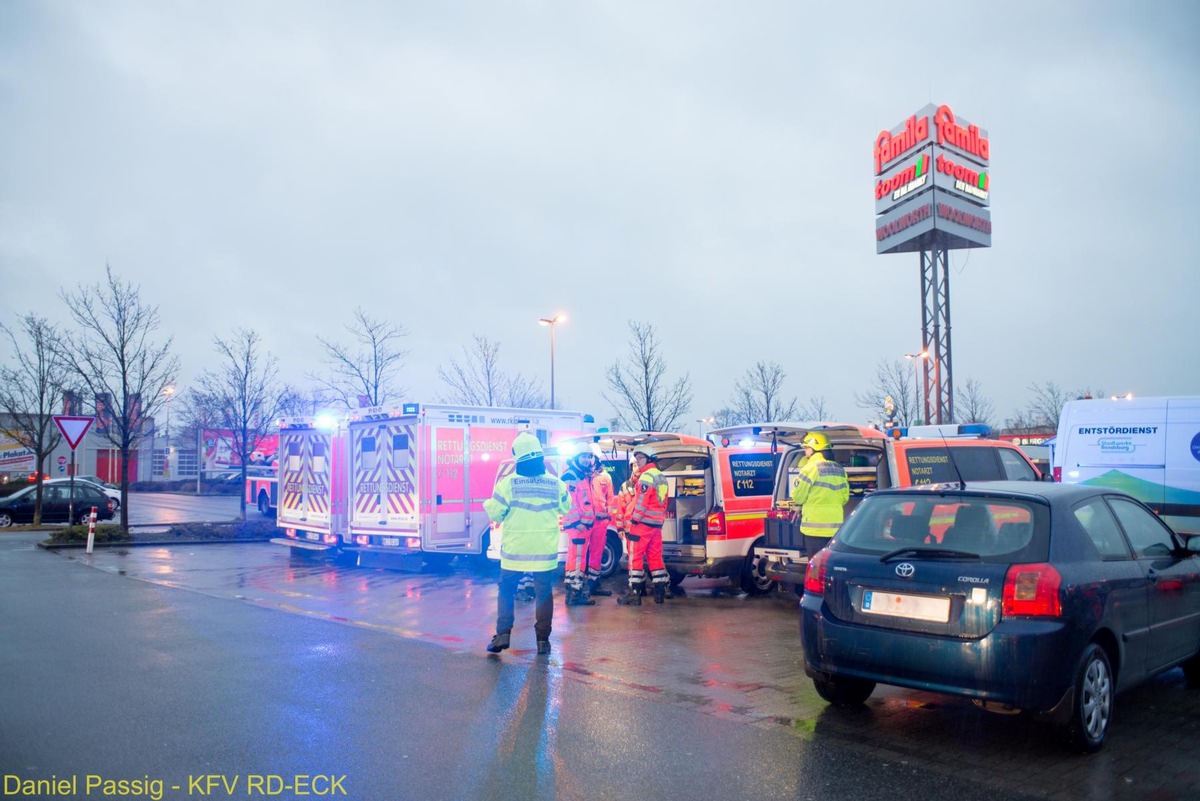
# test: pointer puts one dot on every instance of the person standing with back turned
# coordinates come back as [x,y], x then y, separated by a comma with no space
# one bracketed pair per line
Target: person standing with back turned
[821,491]
[528,504]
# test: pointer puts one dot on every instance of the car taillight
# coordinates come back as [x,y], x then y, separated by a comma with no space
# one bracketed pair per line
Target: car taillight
[1058,474]
[814,578]
[716,524]
[110,504]
[1032,591]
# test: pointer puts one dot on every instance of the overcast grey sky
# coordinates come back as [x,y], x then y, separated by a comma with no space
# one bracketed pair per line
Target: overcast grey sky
[469,167]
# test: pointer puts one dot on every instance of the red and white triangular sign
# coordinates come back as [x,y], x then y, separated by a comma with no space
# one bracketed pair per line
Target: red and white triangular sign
[73,428]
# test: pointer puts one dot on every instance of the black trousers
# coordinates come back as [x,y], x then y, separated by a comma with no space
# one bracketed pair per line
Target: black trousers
[814,544]
[543,592]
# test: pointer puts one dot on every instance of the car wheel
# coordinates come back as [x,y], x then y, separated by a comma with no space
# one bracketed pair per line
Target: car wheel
[264,505]
[843,690]
[1191,671]
[5,520]
[676,578]
[86,517]
[1093,701]
[754,579]
[610,557]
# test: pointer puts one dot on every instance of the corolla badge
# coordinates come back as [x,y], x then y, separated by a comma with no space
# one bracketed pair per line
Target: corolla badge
[905,570]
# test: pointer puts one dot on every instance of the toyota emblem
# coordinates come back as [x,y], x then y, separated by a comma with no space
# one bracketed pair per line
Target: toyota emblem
[905,570]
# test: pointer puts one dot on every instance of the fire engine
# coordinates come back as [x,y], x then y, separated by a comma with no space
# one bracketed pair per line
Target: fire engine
[402,487]
[263,491]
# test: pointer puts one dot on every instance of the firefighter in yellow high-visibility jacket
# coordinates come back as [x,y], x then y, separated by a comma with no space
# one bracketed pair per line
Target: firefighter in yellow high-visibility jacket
[528,504]
[821,493]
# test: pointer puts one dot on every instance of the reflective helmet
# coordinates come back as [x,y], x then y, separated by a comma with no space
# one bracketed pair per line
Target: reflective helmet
[526,446]
[597,451]
[647,451]
[816,440]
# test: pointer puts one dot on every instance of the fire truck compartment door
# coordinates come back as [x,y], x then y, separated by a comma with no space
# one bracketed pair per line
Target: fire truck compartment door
[449,491]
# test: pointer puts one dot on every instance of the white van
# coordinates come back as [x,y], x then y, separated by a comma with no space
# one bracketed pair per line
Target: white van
[1148,447]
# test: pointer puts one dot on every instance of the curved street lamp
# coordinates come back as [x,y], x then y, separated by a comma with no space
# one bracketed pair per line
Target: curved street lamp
[552,321]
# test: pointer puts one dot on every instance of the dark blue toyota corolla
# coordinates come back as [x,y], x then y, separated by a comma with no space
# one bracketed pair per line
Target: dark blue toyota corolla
[1041,597]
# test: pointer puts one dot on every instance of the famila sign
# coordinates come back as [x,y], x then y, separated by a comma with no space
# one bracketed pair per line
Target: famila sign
[932,183]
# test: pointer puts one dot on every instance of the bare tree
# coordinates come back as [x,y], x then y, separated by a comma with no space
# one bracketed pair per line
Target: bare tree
[364,372]
[29,390]
[246,395]
[479,381]
[640,393]
[972,406]
[1044,408]
[113,354]
[896,380]
[757,395]
[815,409]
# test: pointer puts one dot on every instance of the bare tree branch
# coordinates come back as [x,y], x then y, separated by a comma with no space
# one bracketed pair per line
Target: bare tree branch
[479,381]
[114,356]
[758,395]
[639,389]
[366,369]
[972,406]
[895,379]
[246,395]
[29,391]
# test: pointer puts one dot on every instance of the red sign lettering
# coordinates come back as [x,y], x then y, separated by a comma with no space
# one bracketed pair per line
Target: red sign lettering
[888,148]
[966,139]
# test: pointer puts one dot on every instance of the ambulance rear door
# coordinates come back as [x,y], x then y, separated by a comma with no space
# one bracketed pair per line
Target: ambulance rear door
[304,477]
[383,475]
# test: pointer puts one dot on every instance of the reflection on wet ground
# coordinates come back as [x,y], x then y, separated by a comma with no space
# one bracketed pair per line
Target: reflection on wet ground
[716,651]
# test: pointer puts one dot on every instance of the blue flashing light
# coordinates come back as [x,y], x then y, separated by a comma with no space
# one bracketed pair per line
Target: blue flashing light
[746,443]
[411,408]
[326,421]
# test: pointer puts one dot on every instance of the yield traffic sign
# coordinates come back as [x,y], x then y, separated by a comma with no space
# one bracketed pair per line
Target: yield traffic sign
[73,428]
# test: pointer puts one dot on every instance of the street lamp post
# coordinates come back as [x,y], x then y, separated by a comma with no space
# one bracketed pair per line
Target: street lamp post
[701,423]
[917,359]
[169,392]
[552,321]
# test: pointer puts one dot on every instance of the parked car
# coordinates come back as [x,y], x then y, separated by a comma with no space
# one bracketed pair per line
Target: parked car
[108,490]
[1031,596]
[18,507]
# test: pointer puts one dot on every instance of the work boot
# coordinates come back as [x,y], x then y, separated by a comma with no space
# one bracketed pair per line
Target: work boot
[660,591]
[597,589]
[498,643]
[631,598]
[543,647]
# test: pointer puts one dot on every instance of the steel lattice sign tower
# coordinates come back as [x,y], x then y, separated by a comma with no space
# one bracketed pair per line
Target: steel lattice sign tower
[932,195]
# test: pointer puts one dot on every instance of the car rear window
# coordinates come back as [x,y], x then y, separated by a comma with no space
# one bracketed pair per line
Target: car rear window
[995,529]
[936,465]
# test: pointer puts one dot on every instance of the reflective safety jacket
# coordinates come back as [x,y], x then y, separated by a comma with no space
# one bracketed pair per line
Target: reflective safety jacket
[822,491]
[602,493]
[584,504]
[528,507]
[650,508]
[622,505]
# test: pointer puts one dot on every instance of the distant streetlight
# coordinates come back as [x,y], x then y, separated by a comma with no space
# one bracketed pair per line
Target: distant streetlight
[702,422]
[917,358]
[169,392]
[552,321]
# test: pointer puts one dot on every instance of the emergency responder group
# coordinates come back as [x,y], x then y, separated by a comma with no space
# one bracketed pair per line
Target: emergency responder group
[530,502]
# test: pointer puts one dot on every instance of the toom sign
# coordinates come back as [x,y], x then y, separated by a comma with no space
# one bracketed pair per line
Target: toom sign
[932,183]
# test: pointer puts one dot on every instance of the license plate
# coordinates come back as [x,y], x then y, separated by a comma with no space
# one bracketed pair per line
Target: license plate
[391,542]
[913,607]
[312,535]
